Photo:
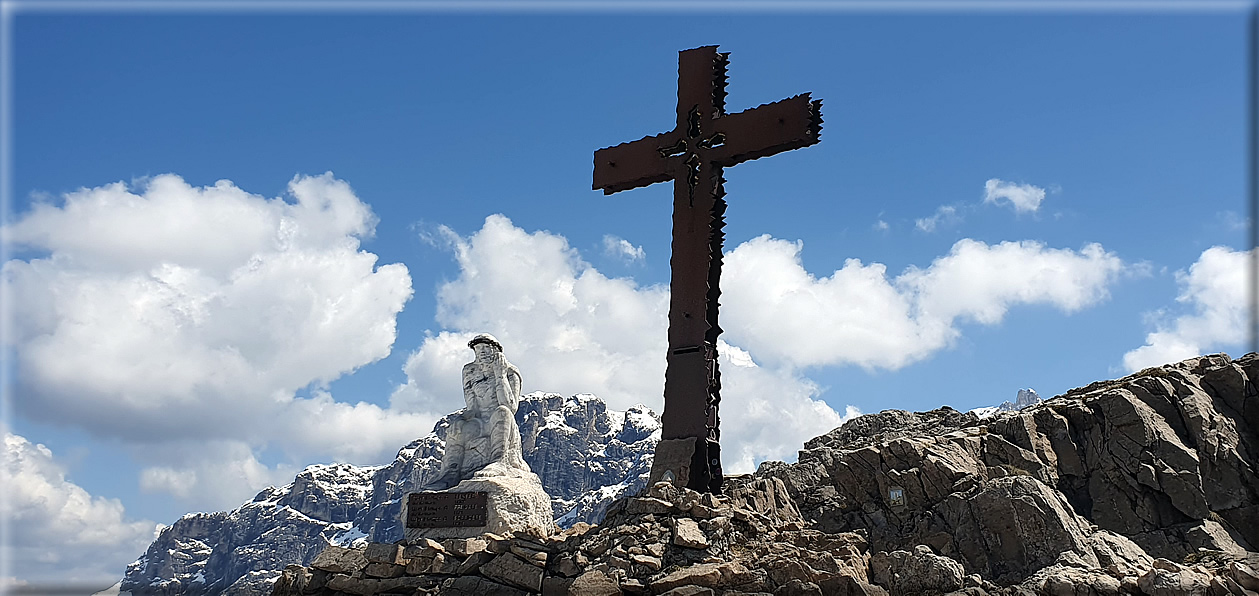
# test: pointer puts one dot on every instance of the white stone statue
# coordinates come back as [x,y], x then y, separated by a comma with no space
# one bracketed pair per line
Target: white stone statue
[483,440]
[483,455]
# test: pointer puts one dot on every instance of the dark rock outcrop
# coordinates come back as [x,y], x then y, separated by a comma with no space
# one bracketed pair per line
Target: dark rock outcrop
[1154,465]
[1161,456]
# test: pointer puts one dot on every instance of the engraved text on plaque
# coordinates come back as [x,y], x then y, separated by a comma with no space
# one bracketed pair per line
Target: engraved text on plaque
[446,510]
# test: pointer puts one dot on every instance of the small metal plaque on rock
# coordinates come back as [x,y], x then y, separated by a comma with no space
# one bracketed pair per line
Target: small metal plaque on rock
[447,510]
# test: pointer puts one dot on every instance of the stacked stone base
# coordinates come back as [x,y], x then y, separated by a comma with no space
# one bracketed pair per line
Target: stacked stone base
[676,542]
[669,541]
[490,564]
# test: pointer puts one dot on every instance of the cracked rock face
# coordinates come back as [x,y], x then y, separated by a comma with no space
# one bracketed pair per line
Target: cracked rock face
[585,455]
[1157,464]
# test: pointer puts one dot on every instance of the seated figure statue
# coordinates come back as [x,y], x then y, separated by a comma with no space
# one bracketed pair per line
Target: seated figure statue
[484,440]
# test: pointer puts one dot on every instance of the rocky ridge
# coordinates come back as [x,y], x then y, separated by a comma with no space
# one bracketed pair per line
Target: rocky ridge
[1142,485]
[1095,486]
[585,454]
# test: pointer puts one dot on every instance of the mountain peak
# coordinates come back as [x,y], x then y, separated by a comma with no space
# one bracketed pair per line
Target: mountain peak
[585,454]
[1024,398]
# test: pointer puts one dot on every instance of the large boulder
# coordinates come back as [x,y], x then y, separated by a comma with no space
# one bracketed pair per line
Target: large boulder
[1161,457]
[918,572]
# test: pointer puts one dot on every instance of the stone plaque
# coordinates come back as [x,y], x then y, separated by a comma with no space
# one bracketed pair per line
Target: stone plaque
[446,510]
[896,496]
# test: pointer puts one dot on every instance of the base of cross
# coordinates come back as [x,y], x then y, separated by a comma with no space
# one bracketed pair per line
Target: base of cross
[692,462]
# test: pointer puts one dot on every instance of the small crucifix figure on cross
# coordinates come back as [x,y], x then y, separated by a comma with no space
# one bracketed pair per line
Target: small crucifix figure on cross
[693,154]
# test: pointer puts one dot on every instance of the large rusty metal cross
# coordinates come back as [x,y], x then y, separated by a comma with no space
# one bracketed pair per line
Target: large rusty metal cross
[693,154]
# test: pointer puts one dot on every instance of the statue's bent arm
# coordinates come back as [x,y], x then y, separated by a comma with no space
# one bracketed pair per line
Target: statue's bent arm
[470,371]
[509,388]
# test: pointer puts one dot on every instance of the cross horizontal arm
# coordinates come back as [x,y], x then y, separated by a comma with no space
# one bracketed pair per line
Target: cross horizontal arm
[768,129]
[634,164]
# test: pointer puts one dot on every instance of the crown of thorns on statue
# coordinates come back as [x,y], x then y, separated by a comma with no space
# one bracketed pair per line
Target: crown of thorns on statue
[485,338]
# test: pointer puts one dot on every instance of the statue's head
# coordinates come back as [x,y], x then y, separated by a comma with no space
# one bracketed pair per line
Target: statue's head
[485,346]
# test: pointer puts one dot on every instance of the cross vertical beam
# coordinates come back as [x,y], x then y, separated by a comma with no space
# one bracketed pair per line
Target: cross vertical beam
[703,142]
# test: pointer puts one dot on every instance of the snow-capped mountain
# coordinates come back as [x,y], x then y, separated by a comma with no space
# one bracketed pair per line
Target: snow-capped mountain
[1026,397]
[585,455]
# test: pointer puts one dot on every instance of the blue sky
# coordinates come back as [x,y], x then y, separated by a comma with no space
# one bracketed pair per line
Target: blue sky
[1122,129]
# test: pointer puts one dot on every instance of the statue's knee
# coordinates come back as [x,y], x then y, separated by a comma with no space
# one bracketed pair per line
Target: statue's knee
[457,432]
[502,413]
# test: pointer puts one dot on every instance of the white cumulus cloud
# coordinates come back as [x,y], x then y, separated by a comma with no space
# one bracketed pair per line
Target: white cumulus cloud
[945,215]
[1214,292]
[858,315]
[57,533]
[568,327]
[215,474]
[184,321]
[163,313]
[1023,197]
[621,248]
